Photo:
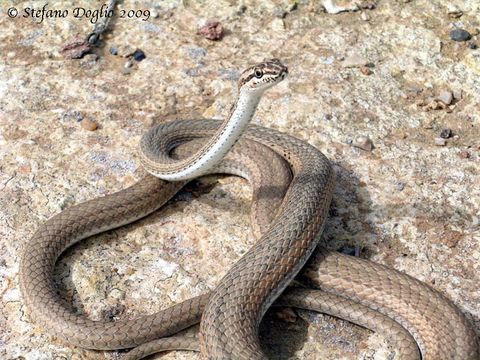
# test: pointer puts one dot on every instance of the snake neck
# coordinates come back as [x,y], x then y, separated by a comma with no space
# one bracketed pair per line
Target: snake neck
[219,144]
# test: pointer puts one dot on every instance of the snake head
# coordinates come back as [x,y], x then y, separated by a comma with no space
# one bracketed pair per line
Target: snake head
[260,77]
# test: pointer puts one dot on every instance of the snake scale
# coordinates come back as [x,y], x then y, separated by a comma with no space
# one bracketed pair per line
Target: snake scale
[292,186]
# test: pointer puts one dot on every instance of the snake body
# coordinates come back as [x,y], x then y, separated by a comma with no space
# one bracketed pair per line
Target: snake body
[289,216]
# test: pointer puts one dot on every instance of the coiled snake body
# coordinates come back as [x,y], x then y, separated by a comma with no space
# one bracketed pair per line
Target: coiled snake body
[293,184]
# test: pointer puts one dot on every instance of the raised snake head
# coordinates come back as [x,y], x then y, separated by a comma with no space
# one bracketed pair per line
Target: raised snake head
[260,77]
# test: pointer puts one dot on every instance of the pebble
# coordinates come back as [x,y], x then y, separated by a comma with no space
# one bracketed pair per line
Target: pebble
[440,141]
[445,96]
[139,55]
[365,16]
[363,142]
[460,35]
[453,11]
[76,48]
[125,50]
[128,64]
[434,105]
[212,30]
[464,154]
[446,133]
[457,94]
[89,125]
[338,6]
[354,60]
[113,50]
[472,45]
[369,5]
[72,114]
[365,70]
[241,9]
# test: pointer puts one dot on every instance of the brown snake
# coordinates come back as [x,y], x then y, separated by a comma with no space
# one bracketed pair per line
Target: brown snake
[288,217]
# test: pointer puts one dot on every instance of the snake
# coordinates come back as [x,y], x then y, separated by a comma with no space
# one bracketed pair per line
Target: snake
[292,184]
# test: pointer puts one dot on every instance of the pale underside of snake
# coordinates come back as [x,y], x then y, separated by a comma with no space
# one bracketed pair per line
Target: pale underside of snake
[292,185]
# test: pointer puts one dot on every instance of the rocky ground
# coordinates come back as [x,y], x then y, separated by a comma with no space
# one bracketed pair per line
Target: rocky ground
[385,89]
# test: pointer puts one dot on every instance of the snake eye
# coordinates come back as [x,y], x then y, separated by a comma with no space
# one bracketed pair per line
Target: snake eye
[258,73]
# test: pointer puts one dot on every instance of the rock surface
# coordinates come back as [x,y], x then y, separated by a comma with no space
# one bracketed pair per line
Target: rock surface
[408,203]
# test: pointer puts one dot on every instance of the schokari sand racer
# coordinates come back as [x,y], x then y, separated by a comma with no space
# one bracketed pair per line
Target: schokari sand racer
[292,183]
